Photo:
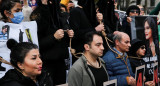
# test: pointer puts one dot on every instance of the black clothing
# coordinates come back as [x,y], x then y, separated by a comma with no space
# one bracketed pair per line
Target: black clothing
[99,74]
[81,25]
[135,62]
[53,51]
[15,78]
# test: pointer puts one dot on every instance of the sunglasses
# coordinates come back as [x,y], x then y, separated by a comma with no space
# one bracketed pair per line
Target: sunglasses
[143,47]
[142,9]
[133,11]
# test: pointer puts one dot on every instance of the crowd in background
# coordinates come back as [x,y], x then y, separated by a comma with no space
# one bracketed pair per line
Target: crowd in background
[59,22]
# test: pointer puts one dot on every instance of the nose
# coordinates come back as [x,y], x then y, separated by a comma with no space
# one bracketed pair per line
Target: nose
[39,61]
[129,44]
[102,47]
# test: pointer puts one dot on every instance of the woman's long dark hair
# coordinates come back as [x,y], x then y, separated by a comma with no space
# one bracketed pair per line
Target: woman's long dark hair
[153,26]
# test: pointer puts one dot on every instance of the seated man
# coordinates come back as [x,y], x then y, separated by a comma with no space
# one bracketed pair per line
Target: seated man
[89,69]
[117,62]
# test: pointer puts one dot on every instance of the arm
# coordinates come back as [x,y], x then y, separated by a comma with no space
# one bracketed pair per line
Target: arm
[156,10]
[74,78]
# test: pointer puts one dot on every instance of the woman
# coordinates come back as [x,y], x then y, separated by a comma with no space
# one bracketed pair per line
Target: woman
[136,53]
[11,11]
[25,59]
[151,36]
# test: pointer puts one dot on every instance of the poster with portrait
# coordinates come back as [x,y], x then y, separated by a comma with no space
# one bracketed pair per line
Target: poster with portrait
[110,83]
[139,75]
[32,4]
[145,28]
[155,75]
[23,32]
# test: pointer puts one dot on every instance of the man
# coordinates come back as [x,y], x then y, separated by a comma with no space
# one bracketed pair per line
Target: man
[117,63]
[89,69]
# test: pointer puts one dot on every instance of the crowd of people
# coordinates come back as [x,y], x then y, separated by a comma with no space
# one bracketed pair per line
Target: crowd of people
[101,59]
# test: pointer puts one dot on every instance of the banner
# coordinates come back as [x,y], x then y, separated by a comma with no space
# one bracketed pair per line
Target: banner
[140,75]
[23,32]
[145,28]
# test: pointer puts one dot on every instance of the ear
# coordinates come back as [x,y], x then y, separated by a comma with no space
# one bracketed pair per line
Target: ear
[86,46]
[6,13]
[20,65]
[116,42]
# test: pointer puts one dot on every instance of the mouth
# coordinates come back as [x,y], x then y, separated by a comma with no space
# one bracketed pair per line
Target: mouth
[39,68]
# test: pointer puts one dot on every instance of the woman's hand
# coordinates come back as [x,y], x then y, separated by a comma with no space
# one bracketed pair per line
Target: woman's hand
[70,33]
[59,34]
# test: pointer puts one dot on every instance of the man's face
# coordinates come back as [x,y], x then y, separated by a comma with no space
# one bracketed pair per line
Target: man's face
[96,47]
[124,44]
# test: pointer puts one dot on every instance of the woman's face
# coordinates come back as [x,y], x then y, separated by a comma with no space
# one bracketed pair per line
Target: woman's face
[141,51]
[16,8]
[32,65]
[148,30]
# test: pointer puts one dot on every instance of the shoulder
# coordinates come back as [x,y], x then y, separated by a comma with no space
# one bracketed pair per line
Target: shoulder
[12,83]
[76,10]
[109,55]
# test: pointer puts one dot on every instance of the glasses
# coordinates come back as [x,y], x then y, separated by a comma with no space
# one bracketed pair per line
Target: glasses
[133,11]
[142,9]
[143,47]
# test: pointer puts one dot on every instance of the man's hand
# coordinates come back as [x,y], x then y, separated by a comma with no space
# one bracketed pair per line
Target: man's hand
[131,81]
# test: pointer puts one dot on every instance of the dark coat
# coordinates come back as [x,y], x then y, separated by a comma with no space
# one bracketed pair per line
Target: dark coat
[53,51]
[15,78]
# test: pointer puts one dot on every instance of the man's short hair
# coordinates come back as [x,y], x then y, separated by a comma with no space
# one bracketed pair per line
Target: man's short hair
[89,37]
[117,37]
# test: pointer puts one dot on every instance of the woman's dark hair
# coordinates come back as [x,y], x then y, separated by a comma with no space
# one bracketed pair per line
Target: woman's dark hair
[19,51]
[153,26]
[7,5]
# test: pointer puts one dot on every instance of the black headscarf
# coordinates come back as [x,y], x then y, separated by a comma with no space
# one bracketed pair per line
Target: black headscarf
[106,7]
[89,9]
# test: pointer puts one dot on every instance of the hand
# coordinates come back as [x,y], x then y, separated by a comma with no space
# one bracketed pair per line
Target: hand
[59,34]
[70,33]
[149,83]
[44,2]
[99,17]
[131,81]
[129,19]
[100,27]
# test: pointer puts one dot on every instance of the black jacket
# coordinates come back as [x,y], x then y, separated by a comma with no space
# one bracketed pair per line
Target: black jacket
[15,78]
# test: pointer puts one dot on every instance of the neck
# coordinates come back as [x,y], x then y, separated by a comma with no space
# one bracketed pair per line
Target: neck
[32,77]
[90,57]
[151,41]
[119,50]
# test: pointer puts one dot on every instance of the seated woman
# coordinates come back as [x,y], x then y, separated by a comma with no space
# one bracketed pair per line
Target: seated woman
[25,59]
[136,55]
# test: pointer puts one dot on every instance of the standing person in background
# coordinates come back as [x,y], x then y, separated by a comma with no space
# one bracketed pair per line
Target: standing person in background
[25,59]
[152,44]
[132,10]
[89,69]
[53,40]
[117,62]
[141,10]
[82,20]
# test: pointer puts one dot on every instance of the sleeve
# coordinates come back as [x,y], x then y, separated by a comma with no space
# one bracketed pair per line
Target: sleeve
[156,10]
[75,21]
[12,83]
[74,78]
